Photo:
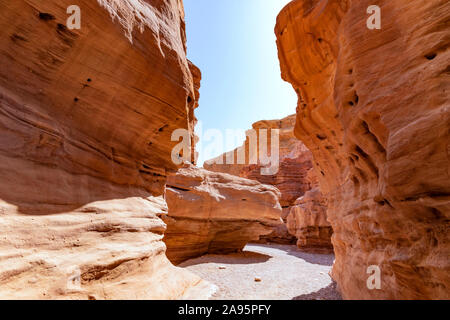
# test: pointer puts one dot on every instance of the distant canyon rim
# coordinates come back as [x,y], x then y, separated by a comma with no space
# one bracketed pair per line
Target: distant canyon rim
[93,181]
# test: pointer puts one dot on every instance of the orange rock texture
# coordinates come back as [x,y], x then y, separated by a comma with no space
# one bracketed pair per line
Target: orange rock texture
[374,109]
[295,162]
[212,212]
[307,219]
[85,122]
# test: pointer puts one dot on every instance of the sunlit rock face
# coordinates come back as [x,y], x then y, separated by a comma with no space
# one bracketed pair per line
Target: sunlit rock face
[85,146]
[374,110]
[295,162]
[307,219]
[211,212]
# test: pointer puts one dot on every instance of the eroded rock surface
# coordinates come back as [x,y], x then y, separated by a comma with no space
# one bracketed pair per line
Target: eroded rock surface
[295,162]
[85,123]
[374,110]
[212,212]
[307,220]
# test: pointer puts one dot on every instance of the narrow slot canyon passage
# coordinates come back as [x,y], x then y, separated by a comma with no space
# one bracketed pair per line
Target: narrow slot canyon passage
[251,235]
[226,149]
[229,221]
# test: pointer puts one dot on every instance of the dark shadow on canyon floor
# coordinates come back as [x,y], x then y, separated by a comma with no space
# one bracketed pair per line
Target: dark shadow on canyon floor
[324,259]
[328,293]
[245,257]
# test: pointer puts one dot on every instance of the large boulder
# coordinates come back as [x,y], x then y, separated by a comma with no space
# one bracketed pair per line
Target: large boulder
[212,212]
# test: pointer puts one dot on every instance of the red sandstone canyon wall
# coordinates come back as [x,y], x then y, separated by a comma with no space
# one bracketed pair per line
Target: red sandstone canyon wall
[374,109]
[85,122]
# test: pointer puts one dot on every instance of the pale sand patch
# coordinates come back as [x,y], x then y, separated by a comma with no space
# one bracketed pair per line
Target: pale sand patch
[285,272]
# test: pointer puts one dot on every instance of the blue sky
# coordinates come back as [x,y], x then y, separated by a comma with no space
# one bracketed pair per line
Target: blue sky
[233,43]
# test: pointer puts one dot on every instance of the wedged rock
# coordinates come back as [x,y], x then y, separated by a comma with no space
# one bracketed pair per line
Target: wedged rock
[295,162]
[374,110]
[86,118]
[307,221]
[212,212]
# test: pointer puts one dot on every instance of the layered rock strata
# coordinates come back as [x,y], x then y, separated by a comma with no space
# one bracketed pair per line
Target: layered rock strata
[307,219]
[86,117]
[295,163]
[212,212]
[374,110]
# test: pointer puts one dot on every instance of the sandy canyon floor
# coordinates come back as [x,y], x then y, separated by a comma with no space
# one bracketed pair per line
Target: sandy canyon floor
[283,271]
